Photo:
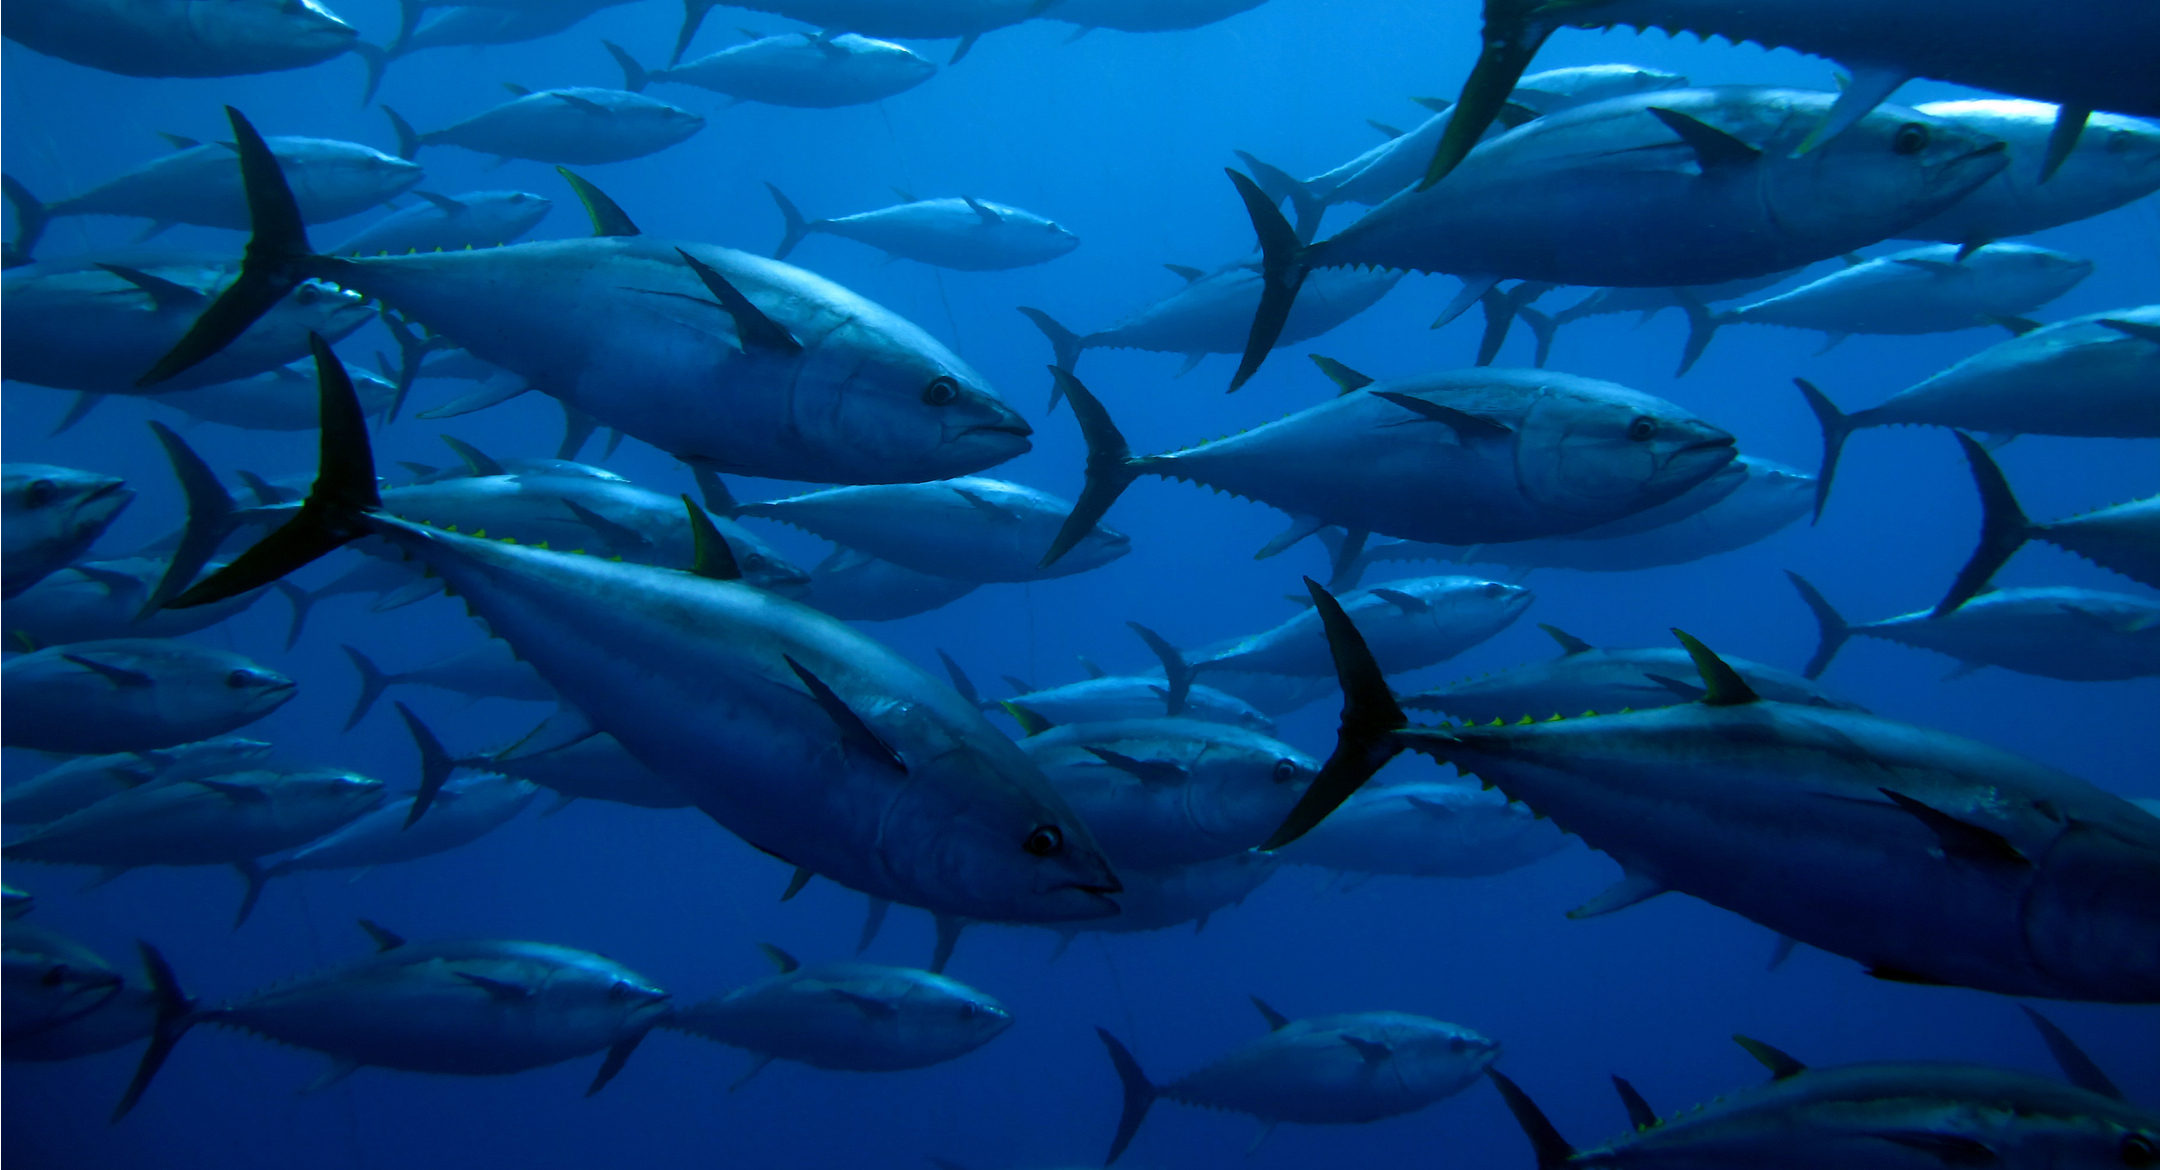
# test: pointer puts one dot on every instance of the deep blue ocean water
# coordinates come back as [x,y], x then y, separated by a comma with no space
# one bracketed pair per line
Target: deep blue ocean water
[1121,138]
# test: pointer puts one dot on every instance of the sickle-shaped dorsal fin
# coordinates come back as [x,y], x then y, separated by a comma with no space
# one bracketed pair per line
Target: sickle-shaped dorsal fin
[781,959]
[607,218]
[713,558]
[1276,1021]
[1726,687]
[1570,645]
[1780,1064]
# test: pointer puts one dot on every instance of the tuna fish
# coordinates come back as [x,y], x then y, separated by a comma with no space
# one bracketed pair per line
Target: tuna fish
[198,818]
[133,694]
[62,1001]
[467,1008]
[1214,311]
[445,813]
[79,783]
[97,600]
[95,325]
[871,773]
[591,769]
[1108,698]
[854,1016]
[1938,289]
[810,70]
[923,20]
[1459,458]
[1426,829]
[200,184]
[2088,377]
[488,669]
[1327,1070]
[1767,497]
[1173,895]
[2081,635]
[1587,680]
[970,529]
[1929,858]
[51,515]
[1647,302]
[581,125]
[1164,792]
[280,400]
[1144,15]
[2116,161]
[183,38]
[856,587]
[1686,187]
[1875,1116]
[494,24]
[2124,538]
[970,234]
[2089,58]
[443,223]
[816,384]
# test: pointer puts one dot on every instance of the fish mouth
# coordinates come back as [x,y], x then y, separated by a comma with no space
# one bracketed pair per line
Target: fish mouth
[1017,428]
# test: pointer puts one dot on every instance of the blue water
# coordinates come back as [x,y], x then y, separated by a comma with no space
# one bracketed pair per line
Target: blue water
[1121,138]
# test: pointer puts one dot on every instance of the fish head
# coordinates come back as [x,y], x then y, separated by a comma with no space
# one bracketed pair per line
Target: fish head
[313,306]
[1099,547]
[285,27]
[904,407]
[959,1018]
[2112,1134]
[764,567]
[2116,155]
[251,688]
[979,833]
[49,510]
[1896,163]
[1596,449]
[1243,785]
[594,996]
[2092,919]
[516,212]
[1433,1058]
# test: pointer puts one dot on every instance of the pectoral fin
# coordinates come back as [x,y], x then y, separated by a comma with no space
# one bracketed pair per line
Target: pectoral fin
[1467,425]
[501,991]
[1147,771]
[853,731]
[1402,601]
[1632,887]
[118,676]
[1373,1051]
[1714,148]
[753,328]
[1967,842]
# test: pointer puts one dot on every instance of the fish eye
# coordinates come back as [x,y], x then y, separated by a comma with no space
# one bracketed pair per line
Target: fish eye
[55,975]
[943,390]
[1285,771]
[1044,841]
[1495,589]
[2119,141]
[2139,1150]
[1911,138]
[240,679]
[754,562]
[1641,429]
[39,493]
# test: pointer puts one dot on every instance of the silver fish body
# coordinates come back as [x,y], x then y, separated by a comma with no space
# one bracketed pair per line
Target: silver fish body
[2116,161]
[184,38]
[462,811]
[95,600]
[222,819]
[133,694]
[281,400]
[855,1016]
[201,184]
[475,219]
[580,126]
[1426,829]
[79,783]
[1586,679]
[1408,624]
[970,529]
[1118,697]
[1923,290]
[803,70]
[856,587]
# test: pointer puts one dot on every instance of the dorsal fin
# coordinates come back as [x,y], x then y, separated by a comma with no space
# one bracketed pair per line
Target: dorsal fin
[1276,1021]
[1781,1065]
[1570,645]
[1030,723]
[1639,1113]
[607,218]
[753,328]
[781,959]
[479,461]
[713,558]
[1190,274]
[385,940]
[1345,378]
[1088,664]
[179,141]
[1725,686]
[519,90]
[906,196]
[443,203]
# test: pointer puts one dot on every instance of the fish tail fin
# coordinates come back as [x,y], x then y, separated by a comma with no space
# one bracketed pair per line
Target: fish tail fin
[1280,186]
[1111,467]
[1835,631]
[278,257]
[1065,347]
[1364,740]
[1553,1151]
[85,402]
[948,936]
[634,77]
[1140,1094]
[2004,527]
[1282,273]
[377,59]
[372,684]
[255,877]
[873,922]
[409,14]
[408,139]
[1177,671]
[302,603]
[435,763]
[1500,314]
[336,508]
[175,1015]
[1837,426]
[209,519]
[1543,327]
[31,216]
[693,15]
[577,428]
[796,226]
[1702,325]
[1512,37]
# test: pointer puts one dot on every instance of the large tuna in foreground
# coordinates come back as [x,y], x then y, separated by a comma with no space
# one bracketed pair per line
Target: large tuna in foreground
[715,356]
[1927,857]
